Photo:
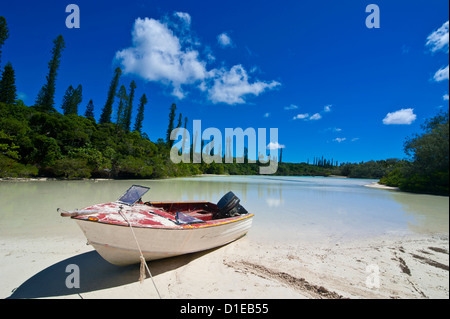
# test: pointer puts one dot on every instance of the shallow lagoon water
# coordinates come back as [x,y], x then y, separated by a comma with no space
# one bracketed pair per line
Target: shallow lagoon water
[286,209]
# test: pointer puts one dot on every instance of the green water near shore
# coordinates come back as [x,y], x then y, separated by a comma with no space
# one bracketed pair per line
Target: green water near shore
[286,208]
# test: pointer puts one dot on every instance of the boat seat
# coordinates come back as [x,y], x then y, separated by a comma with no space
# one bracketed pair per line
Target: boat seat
[200,214]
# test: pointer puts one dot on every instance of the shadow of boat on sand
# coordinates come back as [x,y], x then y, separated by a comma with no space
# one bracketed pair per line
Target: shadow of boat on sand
[95,274]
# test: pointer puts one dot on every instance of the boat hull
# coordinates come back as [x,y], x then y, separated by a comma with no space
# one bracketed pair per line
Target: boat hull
[116,243]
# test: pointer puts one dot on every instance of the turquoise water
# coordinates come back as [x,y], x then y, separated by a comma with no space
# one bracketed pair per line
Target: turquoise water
[286,208]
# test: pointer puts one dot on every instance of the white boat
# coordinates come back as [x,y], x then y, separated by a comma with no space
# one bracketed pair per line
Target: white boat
[120,231]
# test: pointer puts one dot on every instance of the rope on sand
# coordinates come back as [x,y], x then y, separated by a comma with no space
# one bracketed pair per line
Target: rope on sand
[144,265]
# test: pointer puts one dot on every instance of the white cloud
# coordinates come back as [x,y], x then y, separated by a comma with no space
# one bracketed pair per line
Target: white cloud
[274,146]
[339,139]
[232,86]
[445,97]
[185,17]
[291,107]
[403,116]
[301,116]
[333,129]
[157,54]
[305,116]
[355,139]
[224,40]
[327,108]
[438,40]
[441,74]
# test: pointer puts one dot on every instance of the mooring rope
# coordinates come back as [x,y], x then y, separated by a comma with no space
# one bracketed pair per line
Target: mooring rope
[143,262]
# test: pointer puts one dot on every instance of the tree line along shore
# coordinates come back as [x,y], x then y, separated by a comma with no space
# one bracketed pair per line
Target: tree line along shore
[39,141]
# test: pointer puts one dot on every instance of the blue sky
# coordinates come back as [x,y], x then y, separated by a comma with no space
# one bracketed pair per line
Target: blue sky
[312,69]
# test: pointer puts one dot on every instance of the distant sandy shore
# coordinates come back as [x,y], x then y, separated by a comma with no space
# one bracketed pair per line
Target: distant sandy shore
[384,267]
[23,179]
[381,186]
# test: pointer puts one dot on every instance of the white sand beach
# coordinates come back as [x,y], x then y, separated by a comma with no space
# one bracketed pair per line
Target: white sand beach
[406,267]
[381,186]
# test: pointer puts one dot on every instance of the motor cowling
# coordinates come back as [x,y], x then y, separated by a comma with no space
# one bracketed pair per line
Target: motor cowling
[229,206]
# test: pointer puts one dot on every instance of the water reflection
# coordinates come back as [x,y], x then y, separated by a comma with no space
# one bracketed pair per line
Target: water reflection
[430,213]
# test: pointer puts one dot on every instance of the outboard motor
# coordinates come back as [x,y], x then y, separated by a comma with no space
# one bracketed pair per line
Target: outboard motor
[229,206]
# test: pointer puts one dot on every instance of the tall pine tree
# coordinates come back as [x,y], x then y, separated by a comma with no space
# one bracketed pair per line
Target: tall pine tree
[45,99]
[72,98]
[140,115]
[180,119]
[107,109]
[123,101]
[89,109]
[4,34]
[173,108]
[77,99]
[184,135]
[8,85]
[129,106]
[67,100]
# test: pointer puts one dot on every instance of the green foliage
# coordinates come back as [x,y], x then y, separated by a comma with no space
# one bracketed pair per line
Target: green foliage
[429,151]
[45,99]
[70,168]
[8,85]
[4,33]
[320,161]
[129,107]
[94,159]
[427,171]
[90,110]
[72,98]
[180,119]
[12,169]
[395,178]
[371,169]
[170,128]
[140,115]
[435,183]
[133,167]
[46,151]
[71,146]
[107,109]
[121,109]
[7,146]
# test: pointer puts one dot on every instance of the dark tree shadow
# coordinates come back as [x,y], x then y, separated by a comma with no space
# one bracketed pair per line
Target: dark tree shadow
[95,274]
